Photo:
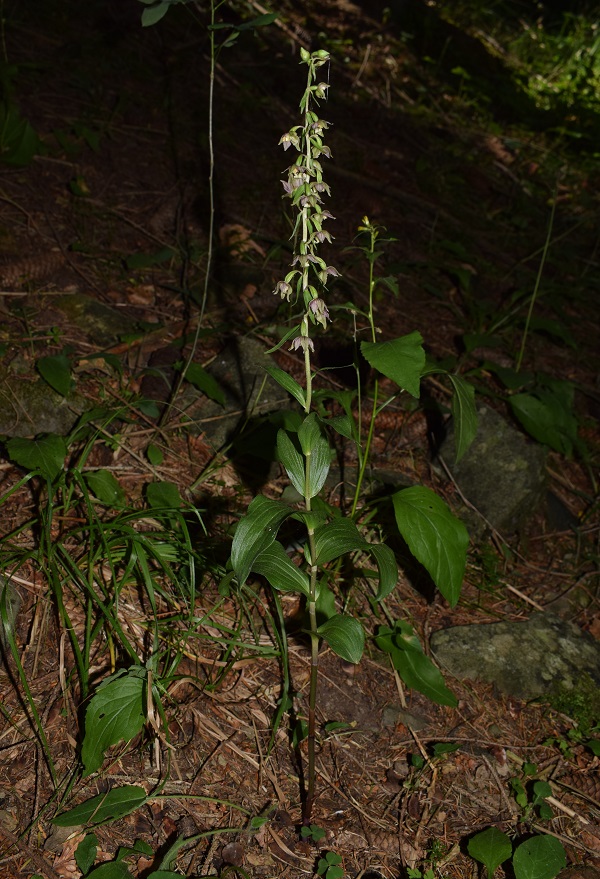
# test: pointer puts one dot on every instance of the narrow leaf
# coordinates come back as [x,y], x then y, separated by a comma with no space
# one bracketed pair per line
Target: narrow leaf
[115,803]
[115,712]
[435,537]
[317,467]
[491,848]
[280,571]
[205,382]
[255,532]
[287,383]
[345,636]
[464,414]
[401,359]
[419,673]
[56,371]
[291,459]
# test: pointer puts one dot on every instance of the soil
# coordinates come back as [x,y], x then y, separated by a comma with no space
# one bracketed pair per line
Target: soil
[114,205]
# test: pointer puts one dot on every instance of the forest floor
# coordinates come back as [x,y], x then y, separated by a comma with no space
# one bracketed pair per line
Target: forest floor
[114,205]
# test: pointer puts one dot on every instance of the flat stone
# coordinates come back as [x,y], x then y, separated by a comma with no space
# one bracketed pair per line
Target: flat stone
[29,408]
[537,657]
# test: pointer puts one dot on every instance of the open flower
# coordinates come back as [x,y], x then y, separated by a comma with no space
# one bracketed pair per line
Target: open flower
[283,289]
[319,311]
[303,342]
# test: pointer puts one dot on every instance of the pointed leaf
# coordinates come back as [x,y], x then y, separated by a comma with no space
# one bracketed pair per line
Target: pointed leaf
[46,454]
[85,853]
[292,460]
[342,424]
[541,857]
[205,382]
[334,539]
[161,495]
[115,803]
[345,636]
[491,848]
[278,568]
[287,383]
[317,466]
[56,371]
[401,359]
[115,712]
[255,532]
[154,13]
[435,537]
[419,673]
[464,414]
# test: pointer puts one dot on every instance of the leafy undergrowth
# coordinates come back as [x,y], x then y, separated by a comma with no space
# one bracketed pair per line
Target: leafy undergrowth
[153,720]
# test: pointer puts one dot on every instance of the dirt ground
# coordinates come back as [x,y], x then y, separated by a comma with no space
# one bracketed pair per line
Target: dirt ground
[115,206]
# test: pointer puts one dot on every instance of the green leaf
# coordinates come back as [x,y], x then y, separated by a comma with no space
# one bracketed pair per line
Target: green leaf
[435,537]
[154,13]
[280,571]
[161,495]
[115,712]
[334,539]
[164,874]
[18,141]
[419,673]
[255,532]
[292,460]
[115,803]
[287,383]
[345,635]
[154,454]
[147,260]
[491,848]
[205,382]
[401,359]
[317,466]
[56,371]
[85,853]
[464,414]
[541,857]
[342,424]
[112,870]
[45,454]
[547,419]
[105,487]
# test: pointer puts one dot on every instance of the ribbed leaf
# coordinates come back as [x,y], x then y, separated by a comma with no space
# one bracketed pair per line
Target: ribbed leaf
[115,803]
[292,460]
[341,536]
[255,532]
[115,712]
[401,359]
[345,636]
[280,571]
[435,537]
[464,414]
[287,383]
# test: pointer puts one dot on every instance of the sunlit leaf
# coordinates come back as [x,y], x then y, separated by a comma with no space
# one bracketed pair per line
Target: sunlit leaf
[255,532]
[280,571]
[491,848]
[541,857]
[401,359]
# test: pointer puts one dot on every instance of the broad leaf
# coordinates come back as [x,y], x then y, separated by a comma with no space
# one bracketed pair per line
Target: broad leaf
[342,424]
[280,571]
[255,532]
[161,495]
[205,382]
[336,538]
[317,466]
[491,848]
[345,636]
[115,712]
[45,454]
[541,857]
[56,371]
[435,537]
[401,359]
[85,853]
[292,460]
[154,14]
[107,489]
[112,870]
[464,414]
[287,383]
[547,419]
[115,803]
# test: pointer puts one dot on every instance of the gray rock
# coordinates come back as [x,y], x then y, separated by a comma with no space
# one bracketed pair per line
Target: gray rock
[28,408]
[525,659]
[502,474]
[104,325]
[248,389]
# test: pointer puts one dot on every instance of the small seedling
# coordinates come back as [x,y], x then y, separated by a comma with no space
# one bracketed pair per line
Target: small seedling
[312,832]
[329,866]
